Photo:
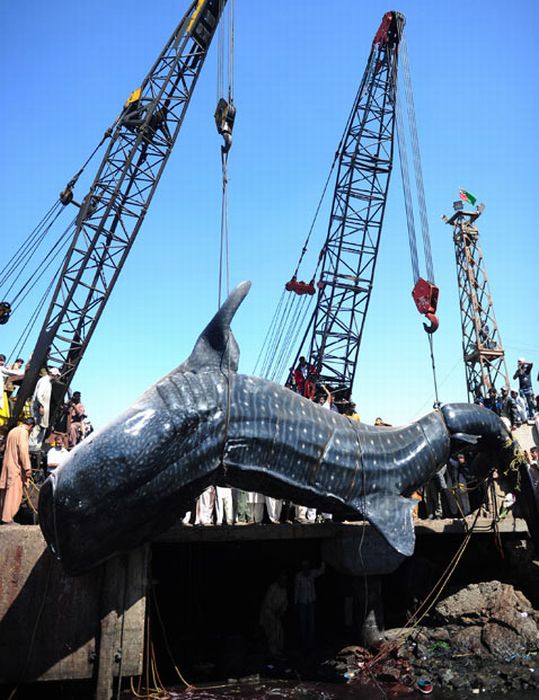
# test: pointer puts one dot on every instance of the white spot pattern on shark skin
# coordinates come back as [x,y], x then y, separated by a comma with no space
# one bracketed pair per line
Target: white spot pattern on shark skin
[139,421]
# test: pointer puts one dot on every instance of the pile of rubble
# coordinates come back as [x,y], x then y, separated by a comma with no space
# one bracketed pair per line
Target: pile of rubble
[485,637]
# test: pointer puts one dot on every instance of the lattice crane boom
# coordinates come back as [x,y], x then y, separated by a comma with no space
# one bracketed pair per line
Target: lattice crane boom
[111,214]
[333,337]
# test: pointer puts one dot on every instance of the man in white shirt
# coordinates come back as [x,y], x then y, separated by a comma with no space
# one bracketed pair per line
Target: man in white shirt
[41,406]
[224,509]
[6,373]
[58,453]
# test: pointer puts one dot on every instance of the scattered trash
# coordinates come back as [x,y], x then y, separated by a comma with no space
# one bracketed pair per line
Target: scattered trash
[424,686]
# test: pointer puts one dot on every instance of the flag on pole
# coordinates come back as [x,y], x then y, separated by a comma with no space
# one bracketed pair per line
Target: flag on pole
[467,197]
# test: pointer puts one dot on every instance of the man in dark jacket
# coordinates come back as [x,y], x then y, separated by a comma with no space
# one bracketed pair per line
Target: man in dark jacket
[523,374]
[493,402]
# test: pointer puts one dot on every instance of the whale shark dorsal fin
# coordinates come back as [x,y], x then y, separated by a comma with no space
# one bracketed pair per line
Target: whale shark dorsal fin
[216,346]
[392,517]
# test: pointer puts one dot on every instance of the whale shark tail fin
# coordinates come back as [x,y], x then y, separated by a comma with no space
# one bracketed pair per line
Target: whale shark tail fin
[216,347]
[392,517]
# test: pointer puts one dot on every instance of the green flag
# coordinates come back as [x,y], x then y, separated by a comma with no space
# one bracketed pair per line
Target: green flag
[467,197]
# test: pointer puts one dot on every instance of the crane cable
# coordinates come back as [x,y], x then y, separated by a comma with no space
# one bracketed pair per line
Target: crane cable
[224,118]
[273,339]
[23,338]
[22,257]
[420,189]
[11,266]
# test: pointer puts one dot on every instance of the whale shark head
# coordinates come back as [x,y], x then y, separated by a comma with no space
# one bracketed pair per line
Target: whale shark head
[132,478]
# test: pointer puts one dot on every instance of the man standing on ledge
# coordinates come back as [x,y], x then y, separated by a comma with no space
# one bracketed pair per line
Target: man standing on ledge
[16,470]
[523,374]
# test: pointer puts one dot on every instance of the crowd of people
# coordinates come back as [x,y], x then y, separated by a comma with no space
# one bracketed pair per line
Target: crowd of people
[50,428]
[303,380]
[516,406]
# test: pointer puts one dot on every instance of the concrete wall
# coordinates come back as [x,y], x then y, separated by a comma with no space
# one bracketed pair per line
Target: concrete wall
[55,627]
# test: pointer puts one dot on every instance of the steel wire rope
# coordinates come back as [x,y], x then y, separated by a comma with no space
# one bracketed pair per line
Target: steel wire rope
[271,331]
[274,351]
[270,327]
[285,342]
[277,332]
[57,205]
[53,253]
[224,260]
[293,332]
[5,273]
[275,359]
[405,176]
[324,190]
[231,47]
[412,238]
[220,52]
[28,258]
[277,329]
[300,325]
[23,338]
[223,248]
[416,155]
[289,340]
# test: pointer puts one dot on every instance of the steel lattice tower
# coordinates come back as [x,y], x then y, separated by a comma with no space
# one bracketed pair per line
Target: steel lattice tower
[484,357]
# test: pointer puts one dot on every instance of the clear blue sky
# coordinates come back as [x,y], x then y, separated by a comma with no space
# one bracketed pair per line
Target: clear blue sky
[68,68]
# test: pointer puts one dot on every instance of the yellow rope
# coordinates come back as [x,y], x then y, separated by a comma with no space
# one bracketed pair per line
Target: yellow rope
[26,492]
[428,603]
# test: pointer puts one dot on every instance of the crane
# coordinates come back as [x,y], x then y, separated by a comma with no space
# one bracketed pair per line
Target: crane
[482,348]
[110,215]
[347,260]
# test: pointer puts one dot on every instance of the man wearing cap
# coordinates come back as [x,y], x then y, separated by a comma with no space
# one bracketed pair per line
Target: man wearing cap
[16,470]
[41,404]
[523,374]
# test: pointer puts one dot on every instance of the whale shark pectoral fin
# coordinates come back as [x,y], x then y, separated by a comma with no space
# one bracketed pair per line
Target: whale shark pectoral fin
[392,517]
[216,346]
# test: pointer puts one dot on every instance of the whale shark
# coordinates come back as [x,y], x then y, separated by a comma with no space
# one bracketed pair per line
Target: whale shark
[204,423]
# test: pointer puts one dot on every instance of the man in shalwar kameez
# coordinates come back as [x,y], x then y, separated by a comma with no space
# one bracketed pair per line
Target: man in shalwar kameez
[16,470]
[41,406]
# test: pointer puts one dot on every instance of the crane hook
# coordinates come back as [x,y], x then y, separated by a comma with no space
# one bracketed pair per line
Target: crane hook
[434,323]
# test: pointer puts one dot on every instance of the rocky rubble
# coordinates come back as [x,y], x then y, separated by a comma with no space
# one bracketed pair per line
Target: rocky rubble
[485,637]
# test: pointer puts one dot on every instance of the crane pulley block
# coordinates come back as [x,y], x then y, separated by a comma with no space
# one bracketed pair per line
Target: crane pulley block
[300,287]
[425,295]
[225,114]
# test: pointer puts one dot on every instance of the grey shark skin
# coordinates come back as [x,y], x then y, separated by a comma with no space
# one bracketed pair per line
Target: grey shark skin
[203,423]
